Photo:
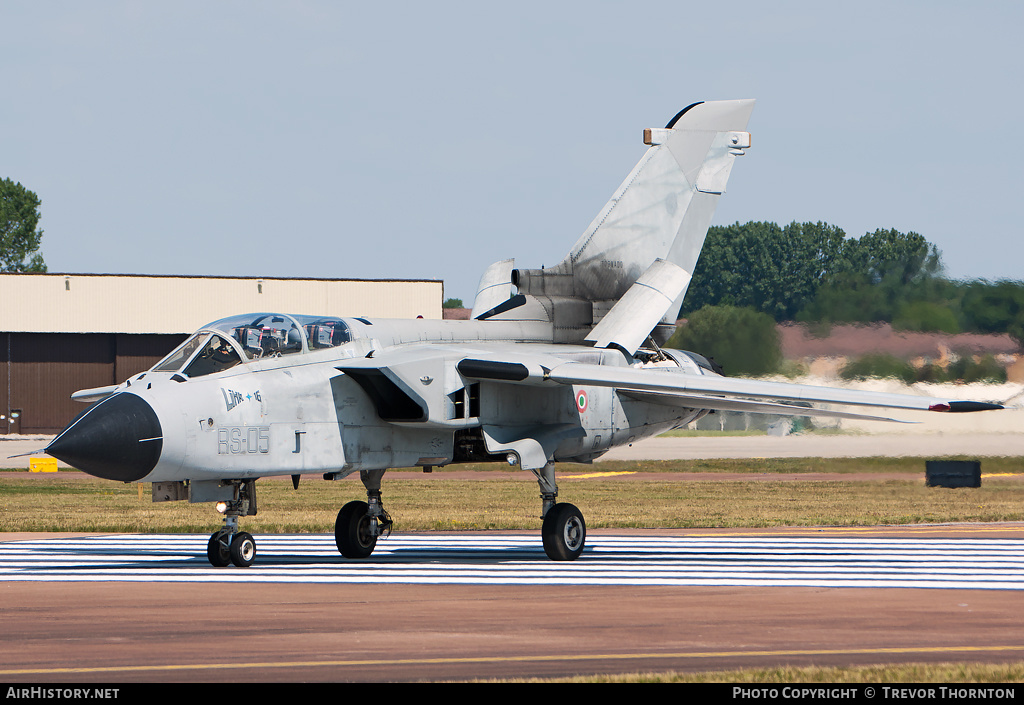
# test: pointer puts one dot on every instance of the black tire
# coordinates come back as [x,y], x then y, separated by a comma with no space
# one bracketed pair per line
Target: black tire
[352,531]
[243,550]
[217,551]
[564,533]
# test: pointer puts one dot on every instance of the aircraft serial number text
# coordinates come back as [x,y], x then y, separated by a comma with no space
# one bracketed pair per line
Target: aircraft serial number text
[236,440]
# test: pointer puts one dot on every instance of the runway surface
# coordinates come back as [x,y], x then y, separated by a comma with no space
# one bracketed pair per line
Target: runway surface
[115,609]
[518,559]
[437,606]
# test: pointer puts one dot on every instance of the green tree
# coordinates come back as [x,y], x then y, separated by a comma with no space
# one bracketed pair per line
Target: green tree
[764,266]
[991,307]
[19,236]
[877,278]
[452,303]
[743,341]
[925,316]
[813,272]
[891,257]
[994,307]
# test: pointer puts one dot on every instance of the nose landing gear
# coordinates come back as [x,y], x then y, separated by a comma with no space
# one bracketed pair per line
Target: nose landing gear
[228,544]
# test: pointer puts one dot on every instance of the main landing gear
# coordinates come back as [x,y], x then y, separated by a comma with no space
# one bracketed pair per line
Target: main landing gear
[229,545]
[360,524]
[564,532]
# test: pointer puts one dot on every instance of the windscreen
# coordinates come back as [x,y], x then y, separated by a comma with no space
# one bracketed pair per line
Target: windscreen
[181,354]
[216,355]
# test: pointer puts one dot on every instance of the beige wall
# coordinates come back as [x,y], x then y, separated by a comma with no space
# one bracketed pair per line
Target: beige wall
[90,303]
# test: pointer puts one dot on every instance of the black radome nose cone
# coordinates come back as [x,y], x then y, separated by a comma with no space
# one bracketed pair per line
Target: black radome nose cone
[118,438]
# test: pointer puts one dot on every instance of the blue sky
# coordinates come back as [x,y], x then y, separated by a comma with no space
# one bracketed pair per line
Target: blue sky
[427,140]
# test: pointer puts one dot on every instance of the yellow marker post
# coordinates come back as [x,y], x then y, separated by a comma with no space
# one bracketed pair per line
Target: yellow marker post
[42,464]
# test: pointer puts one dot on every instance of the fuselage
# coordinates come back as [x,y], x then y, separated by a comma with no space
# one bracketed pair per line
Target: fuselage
[323,406]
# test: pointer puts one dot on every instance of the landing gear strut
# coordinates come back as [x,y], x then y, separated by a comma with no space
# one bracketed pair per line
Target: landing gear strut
[564,532]
[228,544]
[360,524]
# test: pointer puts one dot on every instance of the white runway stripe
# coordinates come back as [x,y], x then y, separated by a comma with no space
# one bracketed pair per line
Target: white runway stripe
[520,559]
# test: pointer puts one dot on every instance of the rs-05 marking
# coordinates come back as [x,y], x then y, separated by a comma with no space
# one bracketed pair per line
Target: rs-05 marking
[237,440]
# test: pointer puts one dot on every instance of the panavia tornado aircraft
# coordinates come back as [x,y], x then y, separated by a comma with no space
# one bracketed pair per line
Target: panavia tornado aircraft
[557,365]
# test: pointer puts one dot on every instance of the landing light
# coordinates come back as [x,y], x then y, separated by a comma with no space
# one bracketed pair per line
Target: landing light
[222,507]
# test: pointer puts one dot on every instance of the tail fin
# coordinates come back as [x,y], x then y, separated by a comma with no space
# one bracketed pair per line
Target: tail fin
[661,211]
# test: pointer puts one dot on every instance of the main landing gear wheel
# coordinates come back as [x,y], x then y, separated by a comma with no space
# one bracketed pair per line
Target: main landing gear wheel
[564,532]
[243,550]
[218,549]
[353,531]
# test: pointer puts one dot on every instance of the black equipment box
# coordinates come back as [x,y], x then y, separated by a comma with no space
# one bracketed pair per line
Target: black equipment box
[952,473]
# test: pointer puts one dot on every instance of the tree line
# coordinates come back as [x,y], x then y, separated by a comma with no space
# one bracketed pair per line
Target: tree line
[754,275]
[814,273]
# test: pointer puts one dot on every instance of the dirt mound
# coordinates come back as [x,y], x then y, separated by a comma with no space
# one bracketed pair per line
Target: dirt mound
[854,341]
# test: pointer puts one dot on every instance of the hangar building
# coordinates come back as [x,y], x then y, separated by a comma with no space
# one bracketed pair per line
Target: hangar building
[63,332]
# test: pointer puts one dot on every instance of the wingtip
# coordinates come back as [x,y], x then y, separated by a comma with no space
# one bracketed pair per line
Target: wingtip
[957,407]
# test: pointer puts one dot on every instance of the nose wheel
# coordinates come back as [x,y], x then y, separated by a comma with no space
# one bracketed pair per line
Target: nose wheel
[218,549]
[243,550]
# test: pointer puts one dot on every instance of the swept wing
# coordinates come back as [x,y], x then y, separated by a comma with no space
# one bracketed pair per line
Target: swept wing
[708,390]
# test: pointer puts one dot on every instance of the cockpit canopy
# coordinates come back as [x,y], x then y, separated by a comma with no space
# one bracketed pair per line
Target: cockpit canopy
[230,341]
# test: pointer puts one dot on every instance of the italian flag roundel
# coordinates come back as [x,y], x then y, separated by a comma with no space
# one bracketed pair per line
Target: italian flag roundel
[581,400]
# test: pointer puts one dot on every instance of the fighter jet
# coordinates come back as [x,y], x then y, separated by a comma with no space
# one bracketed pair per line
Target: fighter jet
[557,364]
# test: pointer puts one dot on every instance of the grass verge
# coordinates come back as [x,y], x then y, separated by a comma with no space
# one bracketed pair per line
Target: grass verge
[886,673]
[66,502]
